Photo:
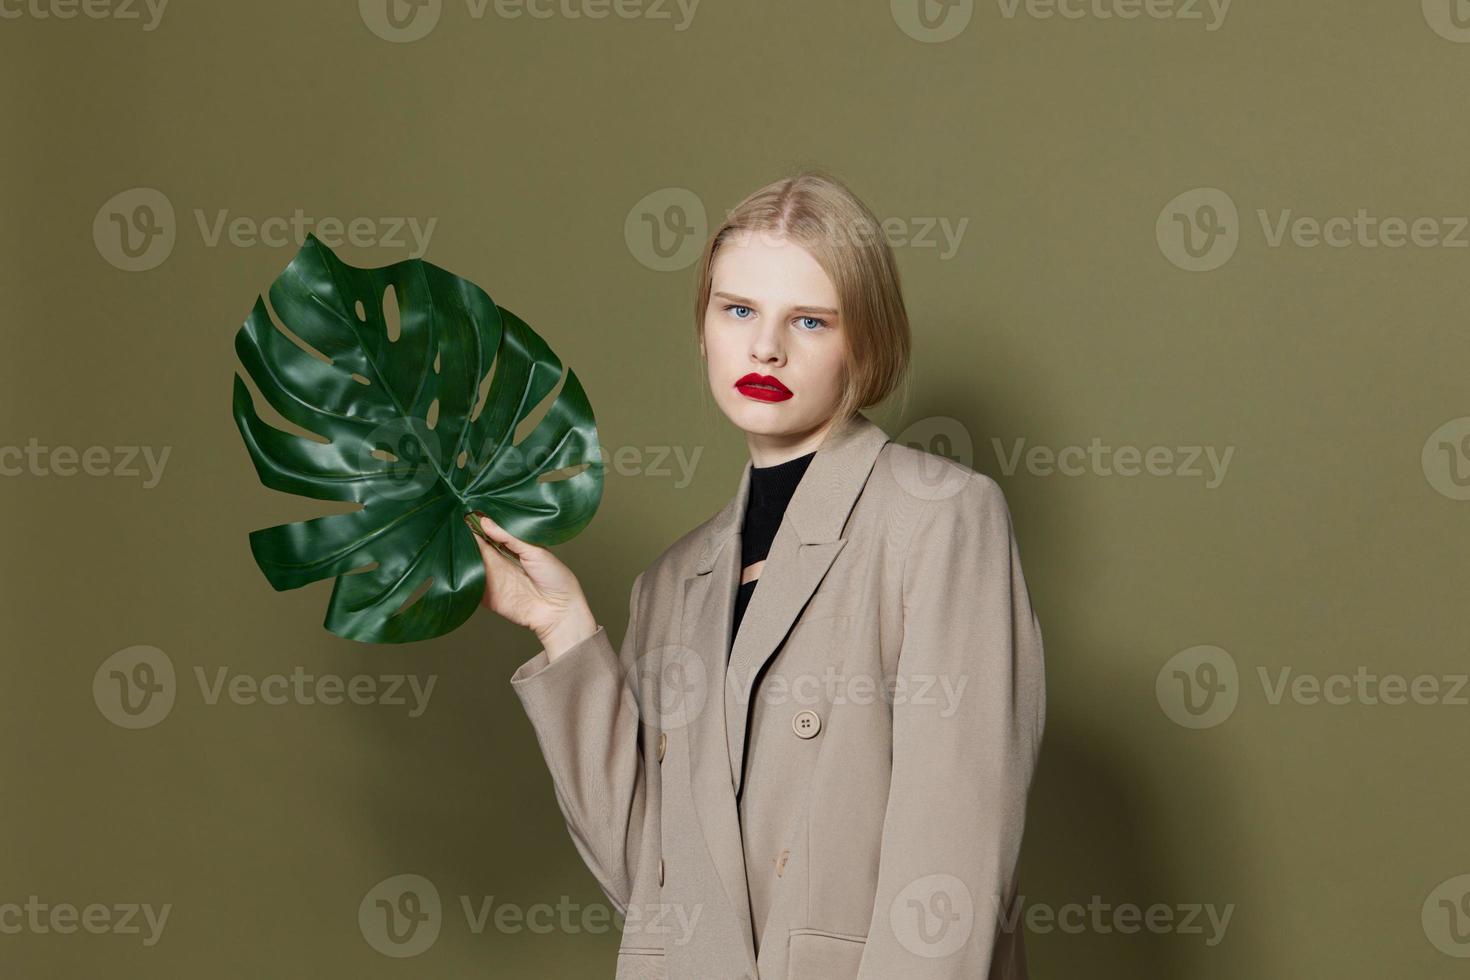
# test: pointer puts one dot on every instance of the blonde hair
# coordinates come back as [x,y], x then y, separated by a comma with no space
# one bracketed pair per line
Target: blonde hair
[817,211]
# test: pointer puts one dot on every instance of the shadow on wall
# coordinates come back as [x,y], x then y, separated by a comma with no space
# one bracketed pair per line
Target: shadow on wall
[1098,840]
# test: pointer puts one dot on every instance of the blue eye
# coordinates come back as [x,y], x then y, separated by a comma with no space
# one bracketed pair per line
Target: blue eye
[739,307]
[816,320]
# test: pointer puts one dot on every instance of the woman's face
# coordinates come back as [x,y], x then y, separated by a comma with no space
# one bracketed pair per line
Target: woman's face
[773,312]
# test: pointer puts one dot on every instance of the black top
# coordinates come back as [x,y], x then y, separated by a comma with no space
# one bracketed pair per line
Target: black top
[771,489]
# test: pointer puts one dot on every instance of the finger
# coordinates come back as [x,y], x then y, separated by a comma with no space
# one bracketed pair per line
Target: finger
[489,533]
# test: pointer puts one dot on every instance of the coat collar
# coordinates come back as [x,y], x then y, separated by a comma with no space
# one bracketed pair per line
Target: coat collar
[806,543]
[818,509]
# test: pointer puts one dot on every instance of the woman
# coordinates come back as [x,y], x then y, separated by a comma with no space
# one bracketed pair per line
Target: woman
[810,757]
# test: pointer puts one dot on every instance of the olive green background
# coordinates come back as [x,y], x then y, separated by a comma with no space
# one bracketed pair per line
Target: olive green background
[534,142]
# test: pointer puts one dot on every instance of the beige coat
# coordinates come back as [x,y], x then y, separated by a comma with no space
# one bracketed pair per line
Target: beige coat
[846,799]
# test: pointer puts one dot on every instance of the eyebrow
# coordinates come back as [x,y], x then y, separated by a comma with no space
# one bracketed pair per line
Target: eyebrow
[746,301]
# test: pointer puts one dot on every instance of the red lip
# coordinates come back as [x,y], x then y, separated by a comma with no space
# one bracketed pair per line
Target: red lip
[751,387]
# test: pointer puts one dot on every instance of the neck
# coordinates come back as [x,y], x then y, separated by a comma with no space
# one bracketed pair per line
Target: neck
[773,450]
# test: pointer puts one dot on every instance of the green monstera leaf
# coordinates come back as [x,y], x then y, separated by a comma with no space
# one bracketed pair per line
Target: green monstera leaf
[418,429]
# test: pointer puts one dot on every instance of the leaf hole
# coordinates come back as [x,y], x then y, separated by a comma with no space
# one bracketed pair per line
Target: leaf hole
[565,473]
[360,310]
[484,394]
[390,312]
[464,457]
[432,417]
[384,455]
[290,335]
[534,417]
[361,380]
[418,594]
[370,566]
[268,414]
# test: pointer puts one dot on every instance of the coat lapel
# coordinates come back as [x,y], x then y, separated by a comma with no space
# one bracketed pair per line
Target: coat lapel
[806,543]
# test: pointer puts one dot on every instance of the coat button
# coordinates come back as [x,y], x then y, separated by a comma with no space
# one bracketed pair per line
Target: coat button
[663,743]
[660,871]
[806,723]
[781,862]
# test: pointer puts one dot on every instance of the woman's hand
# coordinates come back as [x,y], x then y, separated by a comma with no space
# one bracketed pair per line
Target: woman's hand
[534,589]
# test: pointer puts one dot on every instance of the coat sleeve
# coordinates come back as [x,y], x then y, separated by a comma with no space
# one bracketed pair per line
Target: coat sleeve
[969,707]
[585,712]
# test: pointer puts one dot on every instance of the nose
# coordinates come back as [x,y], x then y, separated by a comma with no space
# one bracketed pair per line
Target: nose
[765,346]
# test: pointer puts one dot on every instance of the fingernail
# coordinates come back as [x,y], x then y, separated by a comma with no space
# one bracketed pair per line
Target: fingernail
[474,525]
